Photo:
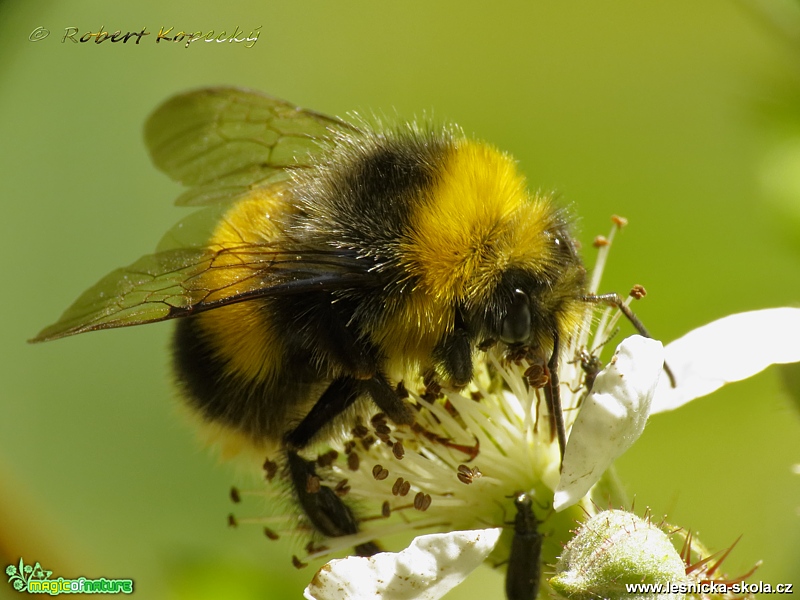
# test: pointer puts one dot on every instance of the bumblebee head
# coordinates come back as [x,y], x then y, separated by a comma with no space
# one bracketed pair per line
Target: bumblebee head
[536,300]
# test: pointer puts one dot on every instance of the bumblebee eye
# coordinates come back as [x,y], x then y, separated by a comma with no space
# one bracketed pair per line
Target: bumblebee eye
[516,326]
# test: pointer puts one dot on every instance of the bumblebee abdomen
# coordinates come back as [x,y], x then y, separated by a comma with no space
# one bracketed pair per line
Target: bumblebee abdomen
[236,364]
[260,401]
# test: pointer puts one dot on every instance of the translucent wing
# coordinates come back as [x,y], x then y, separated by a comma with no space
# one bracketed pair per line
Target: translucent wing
[184,281]
[224,142]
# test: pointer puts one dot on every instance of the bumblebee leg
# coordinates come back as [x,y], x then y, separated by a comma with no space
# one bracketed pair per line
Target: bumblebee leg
[364,369]
[388,400]
[323,508]
[341,393]
[454,354]
[552,393]
[616,300]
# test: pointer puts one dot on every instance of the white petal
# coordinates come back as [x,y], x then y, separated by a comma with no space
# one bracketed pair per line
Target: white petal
[612,417]
[729,349]
[430,567]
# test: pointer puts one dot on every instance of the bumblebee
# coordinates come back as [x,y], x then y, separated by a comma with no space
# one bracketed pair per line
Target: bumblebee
[342,259]
[327,263]
[333,260]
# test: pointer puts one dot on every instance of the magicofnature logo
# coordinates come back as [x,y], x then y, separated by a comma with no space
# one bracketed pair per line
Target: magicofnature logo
[36,580]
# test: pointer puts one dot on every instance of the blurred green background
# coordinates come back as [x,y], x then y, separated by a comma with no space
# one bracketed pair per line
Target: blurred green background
[682,116]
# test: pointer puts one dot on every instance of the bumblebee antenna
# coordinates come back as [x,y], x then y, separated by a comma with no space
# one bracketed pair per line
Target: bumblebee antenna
[615,300]
[552,395]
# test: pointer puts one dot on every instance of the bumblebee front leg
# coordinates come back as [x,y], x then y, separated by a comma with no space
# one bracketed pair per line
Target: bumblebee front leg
[454,355]
[388,400]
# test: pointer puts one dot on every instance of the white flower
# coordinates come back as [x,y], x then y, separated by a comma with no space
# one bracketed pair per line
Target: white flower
[730,349]
[429,568]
